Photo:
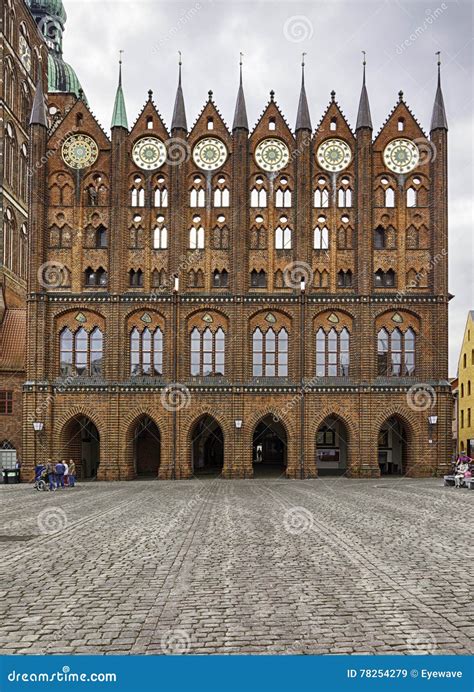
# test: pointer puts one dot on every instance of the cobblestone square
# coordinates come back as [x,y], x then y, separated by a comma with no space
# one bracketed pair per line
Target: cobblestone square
[262,566]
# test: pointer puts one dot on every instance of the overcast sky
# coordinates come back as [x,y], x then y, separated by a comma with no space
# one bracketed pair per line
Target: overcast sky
[400,38]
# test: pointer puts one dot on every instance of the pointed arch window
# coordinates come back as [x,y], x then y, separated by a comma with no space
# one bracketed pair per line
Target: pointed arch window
[221,197]
[332,353]
[220,279]
[101,237]
[220,238]
[396,353]
[146,352]
[283,198]
[344,197]
[321,238]
[321,279]
[412,197]
[95,277]
[321,197]
[380,240]
[197,197]
[135,278]
[207,352]
[160,238]
[283,238]
[158,278]
[161,197]
[258,279]
[258,197]
[196,238]
[138,197]
[270,353]
[384,279]
[344,278]
[389,197]
[81,353]
[196,279]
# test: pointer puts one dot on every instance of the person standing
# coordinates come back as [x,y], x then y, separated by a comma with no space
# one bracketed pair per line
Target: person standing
[51,472]
[59,474]
[66,472]
[72,473]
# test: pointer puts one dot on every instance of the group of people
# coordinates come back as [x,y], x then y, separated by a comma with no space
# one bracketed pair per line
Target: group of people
[463,470]
[61,474]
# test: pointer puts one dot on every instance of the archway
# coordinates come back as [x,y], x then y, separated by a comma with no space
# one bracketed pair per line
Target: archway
[207,447]
[146,440]
[332,447]
[393,441]
[269,449]
[80,441]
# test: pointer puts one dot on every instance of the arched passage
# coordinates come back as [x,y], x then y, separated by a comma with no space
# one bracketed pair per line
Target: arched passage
[269,449]
[146,444]
[332,447]
[207,446]
[80,441]
[393,443]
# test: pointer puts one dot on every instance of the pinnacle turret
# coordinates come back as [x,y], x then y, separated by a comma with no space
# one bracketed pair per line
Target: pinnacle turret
[119,117]
[240,114]
[363,116]
[38,111]
[438,119]
[179,112]
[303,119]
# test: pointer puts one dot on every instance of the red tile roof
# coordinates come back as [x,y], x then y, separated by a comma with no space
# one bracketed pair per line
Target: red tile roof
[13,340]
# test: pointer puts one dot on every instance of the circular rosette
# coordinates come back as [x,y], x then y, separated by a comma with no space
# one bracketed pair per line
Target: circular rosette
[272,155]
[79,151]
[401,155]
[334,155]
[210,154]
[149,153]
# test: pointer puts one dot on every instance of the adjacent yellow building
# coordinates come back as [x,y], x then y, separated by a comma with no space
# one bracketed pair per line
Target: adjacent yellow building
[466,389]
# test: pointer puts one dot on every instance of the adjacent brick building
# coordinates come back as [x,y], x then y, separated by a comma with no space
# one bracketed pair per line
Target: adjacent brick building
[239,301]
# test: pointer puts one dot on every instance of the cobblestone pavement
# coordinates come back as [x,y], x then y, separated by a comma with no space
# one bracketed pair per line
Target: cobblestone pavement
[215,566]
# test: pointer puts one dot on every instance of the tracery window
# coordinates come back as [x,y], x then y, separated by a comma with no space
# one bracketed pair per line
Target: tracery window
[220,279]
[396,352]
[207,352]
[135,278]
[258,195]
[321,238]
[270,353]
[344,278]
[384,279]
[196,238]
[332,353]
[283,238]
[258,279]
[95,277]
[81,353]
[146,352]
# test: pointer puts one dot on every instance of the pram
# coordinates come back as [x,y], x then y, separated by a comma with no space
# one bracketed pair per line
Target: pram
[41,478]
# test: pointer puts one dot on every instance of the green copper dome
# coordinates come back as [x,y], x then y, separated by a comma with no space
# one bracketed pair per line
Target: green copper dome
[61,77]
[54,8]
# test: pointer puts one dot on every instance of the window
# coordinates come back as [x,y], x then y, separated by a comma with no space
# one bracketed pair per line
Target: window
[221,197]
[95,278]
[81,353]
[258,279]
[101,237]
[384,279]
[258,238]
[389,197]
[258,197]
[321,238]
[344,278]
[283,238]
[210,123]
[220,279]
[135,278]
[411,197]
[321,197]
[321,279]
[146,352]
[207,352]
[344,196]
[379,238]
[161,197]
[196,238]
[332,353]
[283,198]
[401,124]
[462,391]
[272,124]
[220,238]
[197,198]
[396,353]
[6,402]
[149,123]
[196,279]
[160,238]
[333,124]
[138,197]
[270,353]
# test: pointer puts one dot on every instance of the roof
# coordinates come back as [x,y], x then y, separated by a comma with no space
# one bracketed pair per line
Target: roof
[438,119]
[38,111]
[303,119]
[179,112]
[119,117]
[62,77]
[363,115]
[54,8]
[13,340]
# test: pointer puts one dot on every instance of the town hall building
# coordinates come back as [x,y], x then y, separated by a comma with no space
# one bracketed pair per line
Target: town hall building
[238,301]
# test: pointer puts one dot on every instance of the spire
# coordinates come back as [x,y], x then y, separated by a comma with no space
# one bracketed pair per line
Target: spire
[438,119]
[240,114]
[179,113]
[303,120]
[119,117]
[363,115]
[38,111]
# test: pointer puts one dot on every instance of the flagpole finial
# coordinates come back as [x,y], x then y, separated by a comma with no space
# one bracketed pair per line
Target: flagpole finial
[180,60]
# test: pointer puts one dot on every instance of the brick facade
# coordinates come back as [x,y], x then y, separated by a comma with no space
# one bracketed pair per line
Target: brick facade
[359,401]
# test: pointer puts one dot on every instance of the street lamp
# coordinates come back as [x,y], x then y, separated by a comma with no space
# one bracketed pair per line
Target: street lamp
[38,426]
[238,423]
[432,420]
